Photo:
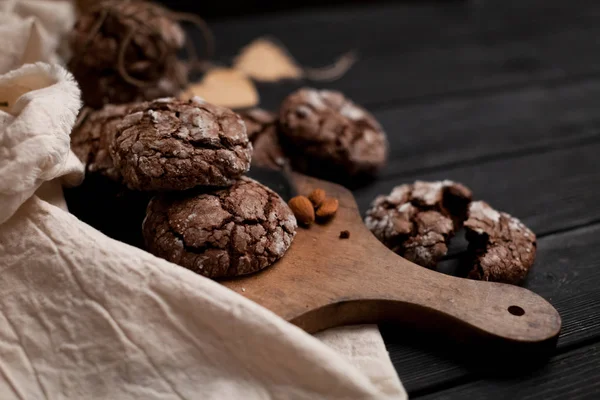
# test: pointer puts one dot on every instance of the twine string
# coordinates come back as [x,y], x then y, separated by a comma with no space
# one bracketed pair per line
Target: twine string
[334,71]
[207,35]
[162,46]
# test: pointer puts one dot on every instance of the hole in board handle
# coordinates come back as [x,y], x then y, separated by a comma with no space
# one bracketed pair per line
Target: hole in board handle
[516,310]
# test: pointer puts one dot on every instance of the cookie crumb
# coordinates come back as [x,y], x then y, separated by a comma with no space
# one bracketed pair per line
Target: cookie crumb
[243,289]
[345,235]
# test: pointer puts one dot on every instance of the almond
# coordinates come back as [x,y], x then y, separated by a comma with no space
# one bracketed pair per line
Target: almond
[317,196]
[328,208]
[302,209]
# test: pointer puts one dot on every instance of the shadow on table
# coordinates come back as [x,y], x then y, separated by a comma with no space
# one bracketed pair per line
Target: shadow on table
[429,361]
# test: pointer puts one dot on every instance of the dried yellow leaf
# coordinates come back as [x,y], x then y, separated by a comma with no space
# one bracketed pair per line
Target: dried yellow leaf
[224,87]
[265,60]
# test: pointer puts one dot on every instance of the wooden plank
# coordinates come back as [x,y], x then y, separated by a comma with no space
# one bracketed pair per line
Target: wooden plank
[405,55]
[467,130]
[566,273]
[573,375]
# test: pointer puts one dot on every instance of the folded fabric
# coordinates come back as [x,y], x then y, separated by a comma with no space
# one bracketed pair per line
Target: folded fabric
[34,132]
[33,30]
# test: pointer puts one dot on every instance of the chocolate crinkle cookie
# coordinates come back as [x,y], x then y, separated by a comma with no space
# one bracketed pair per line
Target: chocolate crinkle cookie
[102,200]
[418,220]
[124,51]
[503,248]
[261,126]
[91,137]
[170,144]
[223,233]
[324,133]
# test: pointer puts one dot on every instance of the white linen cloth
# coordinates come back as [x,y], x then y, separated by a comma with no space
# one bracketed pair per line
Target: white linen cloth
[33,30]
[85,316]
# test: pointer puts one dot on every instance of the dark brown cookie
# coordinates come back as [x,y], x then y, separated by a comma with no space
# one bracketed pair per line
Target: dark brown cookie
[502,247]
[125,51]
[224,233]
[103,201]
[91,137]
[326,134]
[418,220]
[170,144]
[261,126]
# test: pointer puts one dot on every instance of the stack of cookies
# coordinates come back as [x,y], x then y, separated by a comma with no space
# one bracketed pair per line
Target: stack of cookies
[184,162]
[168,174]
[190,156]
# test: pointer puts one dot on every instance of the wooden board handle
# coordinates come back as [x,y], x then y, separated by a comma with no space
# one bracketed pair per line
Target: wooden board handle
[450,305]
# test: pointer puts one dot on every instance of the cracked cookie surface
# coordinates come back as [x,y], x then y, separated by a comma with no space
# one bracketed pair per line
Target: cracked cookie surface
[170,144]
[223,233]
[324,132]
[417,221]
[503,249]
[91,137]
[261,126]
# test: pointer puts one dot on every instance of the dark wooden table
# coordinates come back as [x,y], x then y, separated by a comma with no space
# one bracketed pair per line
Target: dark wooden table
[504,98]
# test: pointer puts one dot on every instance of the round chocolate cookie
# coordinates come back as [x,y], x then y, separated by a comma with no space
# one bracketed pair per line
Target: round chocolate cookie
[418,220]
[503,249]
[261,126]
[326,134]
[224,233]
[91,137]
[102,200]
[170,144]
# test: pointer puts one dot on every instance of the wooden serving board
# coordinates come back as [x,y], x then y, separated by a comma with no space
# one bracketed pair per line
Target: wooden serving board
[324,281]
